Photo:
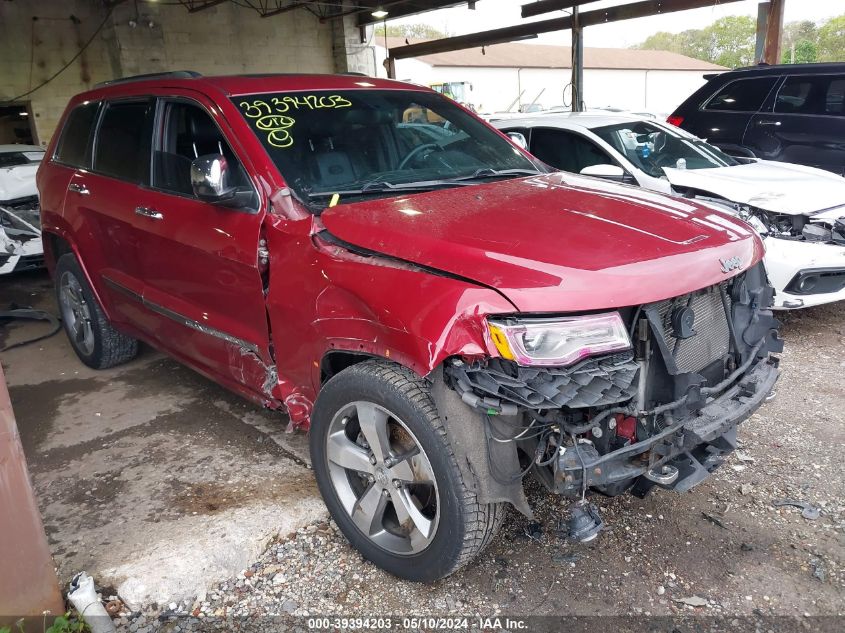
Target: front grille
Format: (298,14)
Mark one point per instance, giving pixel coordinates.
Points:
(712,338)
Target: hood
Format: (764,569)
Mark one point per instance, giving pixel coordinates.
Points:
(557,242)
(18,182)
(777,187)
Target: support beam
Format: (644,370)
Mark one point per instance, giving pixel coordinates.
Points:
(280,10)
(577,62)
(547,6)
(195,7)
(642,9)
(760,41)
(774,32)
(401,8)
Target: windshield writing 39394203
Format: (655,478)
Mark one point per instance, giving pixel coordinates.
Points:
(273,120)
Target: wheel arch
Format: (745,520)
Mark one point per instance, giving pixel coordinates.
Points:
(58,242)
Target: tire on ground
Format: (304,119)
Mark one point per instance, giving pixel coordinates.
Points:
(465,526)
(110,346)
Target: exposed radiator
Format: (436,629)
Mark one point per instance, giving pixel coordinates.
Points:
(712,339)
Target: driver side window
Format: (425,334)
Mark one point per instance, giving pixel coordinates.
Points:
(189,132)
(566,150)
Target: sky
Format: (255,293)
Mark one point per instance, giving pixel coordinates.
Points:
(491,14)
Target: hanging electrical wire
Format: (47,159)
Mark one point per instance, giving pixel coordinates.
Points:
(66,66)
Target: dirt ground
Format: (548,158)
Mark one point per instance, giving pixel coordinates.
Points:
(723,548)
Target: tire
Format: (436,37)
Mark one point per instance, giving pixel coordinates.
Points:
(460,527)
(95,341)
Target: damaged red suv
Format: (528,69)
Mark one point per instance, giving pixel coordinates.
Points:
(443,312)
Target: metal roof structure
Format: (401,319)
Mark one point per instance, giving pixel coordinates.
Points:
(515,55)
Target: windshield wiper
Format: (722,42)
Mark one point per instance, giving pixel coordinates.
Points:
(488,172)
(378,186)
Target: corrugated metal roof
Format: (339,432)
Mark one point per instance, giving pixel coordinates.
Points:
(514,55)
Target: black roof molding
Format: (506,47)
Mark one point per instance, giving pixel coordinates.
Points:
(174,74)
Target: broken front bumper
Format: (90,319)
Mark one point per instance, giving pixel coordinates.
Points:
(789,261)
(678,457)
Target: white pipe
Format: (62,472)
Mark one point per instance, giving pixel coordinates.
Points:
(88,604)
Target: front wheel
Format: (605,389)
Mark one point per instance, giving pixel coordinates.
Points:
(389,476)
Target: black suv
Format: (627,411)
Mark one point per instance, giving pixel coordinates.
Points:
(792,112)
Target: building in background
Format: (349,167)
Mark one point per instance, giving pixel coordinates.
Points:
(495,77)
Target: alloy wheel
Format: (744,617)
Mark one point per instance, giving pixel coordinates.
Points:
(76,313)
(383,478)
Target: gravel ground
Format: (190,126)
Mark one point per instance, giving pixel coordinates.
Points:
(724,549)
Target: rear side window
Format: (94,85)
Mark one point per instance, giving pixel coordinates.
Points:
(743,95)
(812,95)
(566,150)
(123,141)
(73,147)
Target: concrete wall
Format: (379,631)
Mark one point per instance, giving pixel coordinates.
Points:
(225,39)
(494,89)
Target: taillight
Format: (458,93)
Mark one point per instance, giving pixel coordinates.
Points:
(675,120)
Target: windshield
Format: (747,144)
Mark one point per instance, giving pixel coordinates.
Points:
(377,142)
(651,148)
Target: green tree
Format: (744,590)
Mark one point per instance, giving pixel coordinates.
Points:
(831,41)
(417,31)
(799,31)
(733,39)
(730,41)
(805,52)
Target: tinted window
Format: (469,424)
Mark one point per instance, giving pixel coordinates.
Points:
(743,95)
(566,150)
(73,147)
(190,132)
(811,95)
(123,141)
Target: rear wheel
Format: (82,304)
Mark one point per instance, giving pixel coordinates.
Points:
(389,476)
(95,341)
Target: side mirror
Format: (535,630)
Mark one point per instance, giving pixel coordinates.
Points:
(210,178)
(519,139)
(211,182)
(608,172)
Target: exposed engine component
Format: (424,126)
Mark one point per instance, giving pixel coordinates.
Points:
(809,228)
(662,414)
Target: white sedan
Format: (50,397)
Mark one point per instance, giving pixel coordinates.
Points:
(799,211)
(20,222)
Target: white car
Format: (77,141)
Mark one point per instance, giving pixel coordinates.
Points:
(798,210)
(20,222)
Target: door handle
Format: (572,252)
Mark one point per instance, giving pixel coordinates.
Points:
(79,188)
(764,122)
(147,212)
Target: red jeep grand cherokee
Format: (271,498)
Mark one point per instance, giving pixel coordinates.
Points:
(444,313)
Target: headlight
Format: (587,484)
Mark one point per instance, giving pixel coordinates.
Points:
(757,224)
(560,341)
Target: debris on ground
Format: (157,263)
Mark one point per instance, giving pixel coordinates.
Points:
(714,520)
(808,510)
(692,601)
(819,572)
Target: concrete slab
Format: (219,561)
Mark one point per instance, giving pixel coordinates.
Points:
(151,478)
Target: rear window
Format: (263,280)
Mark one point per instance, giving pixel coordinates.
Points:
(123,141)
(812,95)
(73,146)
(742,95)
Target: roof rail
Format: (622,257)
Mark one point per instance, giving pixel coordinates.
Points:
(174,74)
